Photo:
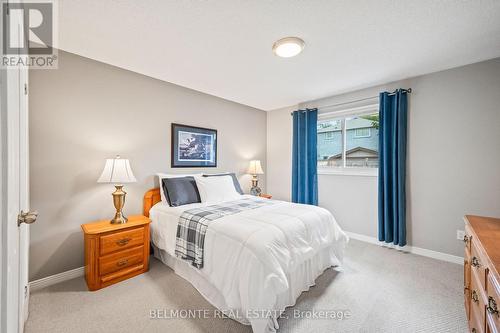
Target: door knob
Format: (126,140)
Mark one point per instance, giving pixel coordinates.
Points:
(27,217)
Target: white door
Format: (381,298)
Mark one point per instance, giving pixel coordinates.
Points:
(24,203)
(15,198)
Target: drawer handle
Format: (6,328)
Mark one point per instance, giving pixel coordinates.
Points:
(475,262)
(122,263)
(492,306)
(474,296)
(123,241)
(466,239)
(474,330)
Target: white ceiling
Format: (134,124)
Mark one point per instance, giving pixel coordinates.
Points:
(223,47)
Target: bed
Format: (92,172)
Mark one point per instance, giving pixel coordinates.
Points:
(257,261)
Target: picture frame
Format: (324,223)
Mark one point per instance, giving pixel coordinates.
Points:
(193,147)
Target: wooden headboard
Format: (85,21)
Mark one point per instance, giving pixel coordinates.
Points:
(150,199)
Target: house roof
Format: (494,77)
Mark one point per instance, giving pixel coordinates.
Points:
(372,152)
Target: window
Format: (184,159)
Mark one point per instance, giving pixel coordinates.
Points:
(362,132)
(329,135)
(348,143)
(329,142)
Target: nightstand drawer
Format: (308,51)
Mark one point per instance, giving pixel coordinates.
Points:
(120,275)
(121,240)
(121,260)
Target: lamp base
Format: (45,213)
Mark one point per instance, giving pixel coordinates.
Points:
(255,190)
(119,201)
(119,219)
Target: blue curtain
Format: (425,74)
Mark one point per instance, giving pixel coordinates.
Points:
(304,157)
(393,114)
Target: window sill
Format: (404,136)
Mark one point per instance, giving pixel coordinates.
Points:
(373,172)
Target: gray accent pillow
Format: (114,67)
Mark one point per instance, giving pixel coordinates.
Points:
(236,183)
(180,191)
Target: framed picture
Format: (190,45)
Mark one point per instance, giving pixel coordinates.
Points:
(193,147)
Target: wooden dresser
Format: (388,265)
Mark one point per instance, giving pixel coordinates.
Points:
(481,278)
(115,252)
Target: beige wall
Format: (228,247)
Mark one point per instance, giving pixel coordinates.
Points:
(279,152)
(87,111)
(453,157)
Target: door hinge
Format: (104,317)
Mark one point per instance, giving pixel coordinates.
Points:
(25,291)
(7,8)
(26,89)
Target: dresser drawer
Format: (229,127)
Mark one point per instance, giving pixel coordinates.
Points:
(121,240)
(121,260)
(476,322)
(493,303)
(467,277)
(478,265)
(477,304)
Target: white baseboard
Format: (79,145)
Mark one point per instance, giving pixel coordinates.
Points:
(56,278)
(410,249)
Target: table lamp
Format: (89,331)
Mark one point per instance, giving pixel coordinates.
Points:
(117,171)
(255,169)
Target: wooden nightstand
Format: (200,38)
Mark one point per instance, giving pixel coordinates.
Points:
(267,196)
(115,252)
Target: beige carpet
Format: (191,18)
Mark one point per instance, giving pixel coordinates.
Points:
(383,289)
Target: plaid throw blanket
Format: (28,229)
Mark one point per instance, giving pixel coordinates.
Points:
(193,224)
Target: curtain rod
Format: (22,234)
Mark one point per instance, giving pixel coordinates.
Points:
(408,91)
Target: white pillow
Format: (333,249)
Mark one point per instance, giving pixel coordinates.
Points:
(216,189)
(165,175)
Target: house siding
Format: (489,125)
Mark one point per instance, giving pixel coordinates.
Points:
(330,146)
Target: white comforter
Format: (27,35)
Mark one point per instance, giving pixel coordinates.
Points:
(248,256)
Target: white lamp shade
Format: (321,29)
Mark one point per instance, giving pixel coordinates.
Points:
(255,168)
(118,171)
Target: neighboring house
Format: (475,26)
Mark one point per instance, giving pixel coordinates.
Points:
(361,143)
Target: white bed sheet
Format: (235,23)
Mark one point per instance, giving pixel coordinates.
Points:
(256,260)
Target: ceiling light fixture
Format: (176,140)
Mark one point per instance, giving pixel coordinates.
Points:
(288,47)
